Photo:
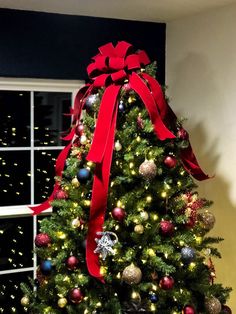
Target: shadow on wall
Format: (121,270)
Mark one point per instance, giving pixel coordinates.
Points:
(196,95)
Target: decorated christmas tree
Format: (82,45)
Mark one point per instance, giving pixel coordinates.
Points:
(129,232)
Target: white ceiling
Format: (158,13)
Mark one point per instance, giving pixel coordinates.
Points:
(142,10)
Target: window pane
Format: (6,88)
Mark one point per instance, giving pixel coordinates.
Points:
(16,238)
(14,118)
(49,120)
(44,173)
(10,292)
(14,178)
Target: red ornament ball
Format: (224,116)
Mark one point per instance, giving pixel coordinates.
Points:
(76,295)
(166,227)
(61,195)
(72,262)
(182,134)
(118,214)
(42,240)
(188,309)
(126,87)
(79,129)
(170,161)
(167,283)
(226,310)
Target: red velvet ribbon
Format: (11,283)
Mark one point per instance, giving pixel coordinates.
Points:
(109,69)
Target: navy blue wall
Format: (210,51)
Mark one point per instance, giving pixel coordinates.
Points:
(43,45)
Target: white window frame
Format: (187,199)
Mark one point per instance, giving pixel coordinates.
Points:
(32,85)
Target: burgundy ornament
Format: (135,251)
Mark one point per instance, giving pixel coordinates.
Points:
(188,309)
(61,195)
(226,310)
(79,129)
(72,262)
(76,295)
(170,161)
(118,214)
(166,227)
(42,240)
(166,283)
(182,134)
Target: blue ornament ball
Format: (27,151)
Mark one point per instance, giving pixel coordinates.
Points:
(121,106)
(46,267)
(188,254)
(153,298)
(83,175)
(90,101)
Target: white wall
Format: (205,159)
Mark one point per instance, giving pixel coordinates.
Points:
(201,76)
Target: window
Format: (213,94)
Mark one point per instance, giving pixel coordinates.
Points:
(31,125)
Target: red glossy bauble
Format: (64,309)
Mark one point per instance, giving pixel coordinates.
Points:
(170,161)
(188,309)
(166,283)
(72,262)
(61,195)
(79,129)
(166,227)
(42,240)
(118,214)
(76,295)
(226,310)
(182,134)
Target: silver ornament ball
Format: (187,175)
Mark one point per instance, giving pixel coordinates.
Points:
(148,169)
(212,305)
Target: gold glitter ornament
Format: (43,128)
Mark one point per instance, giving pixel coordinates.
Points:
(207,220)
(132,274)
(212,305)
(144,215)
(148,169)
(75,182)
(139,229)
(25,301)
(118,146)
(62,302)
(75,223)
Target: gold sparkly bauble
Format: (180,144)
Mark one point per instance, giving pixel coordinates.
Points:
(75,182)
(148,169)
(207,219)
(212,305)
(144,215)
(62,302)
(25,301)
(83,139)
(75,223)
(132,274)
(139,229)
(118,146)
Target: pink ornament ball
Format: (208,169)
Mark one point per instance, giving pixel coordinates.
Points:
(118,214)
(61,195)
(72,262)
(188,309)
(42,240)
(166,228)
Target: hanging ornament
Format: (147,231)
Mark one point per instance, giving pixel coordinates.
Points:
(75,182)
(131,99)
(144,215)
(79,129)
(72,262)
(148,169)
(170,161)
(42,240)
(132,274)
(118,146)
(182,134)
(83,139)
(76,223)
(76,295)
(226,310)
(140,121)
(121,106)
(166,228)
(90,102)
(46,267)
(212,305)
(40,277)
(207,220)
(105,243)
(126,87)
(25,301)
(139,229)
(188,254)
(83,175)
(118,214)
(166,283)
(62,302)
(153,297)
(188,309)
(61,195)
